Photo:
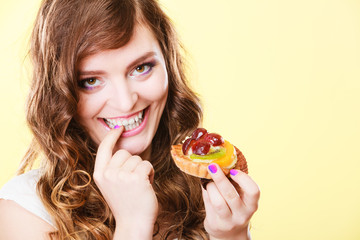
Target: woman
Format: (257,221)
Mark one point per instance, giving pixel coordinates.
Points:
(108,99)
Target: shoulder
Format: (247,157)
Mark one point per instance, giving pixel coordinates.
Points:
(18,223)
(23,184)
(20,204)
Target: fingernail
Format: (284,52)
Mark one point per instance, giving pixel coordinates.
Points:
(212,168)
(116,127)
(234,172)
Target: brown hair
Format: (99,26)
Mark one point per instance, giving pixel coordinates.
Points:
(65,32)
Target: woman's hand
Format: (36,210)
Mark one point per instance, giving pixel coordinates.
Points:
(228,206)
(125,182)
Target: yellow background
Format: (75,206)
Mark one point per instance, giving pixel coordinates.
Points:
(280,79)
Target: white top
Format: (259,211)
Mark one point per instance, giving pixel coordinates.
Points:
(22,190)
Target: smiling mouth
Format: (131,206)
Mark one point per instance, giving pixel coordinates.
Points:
(129,123)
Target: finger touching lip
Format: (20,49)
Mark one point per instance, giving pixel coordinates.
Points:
(105,150)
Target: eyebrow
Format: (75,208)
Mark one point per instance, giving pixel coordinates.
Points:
(128,68)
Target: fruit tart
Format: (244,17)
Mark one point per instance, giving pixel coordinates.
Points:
(203,148)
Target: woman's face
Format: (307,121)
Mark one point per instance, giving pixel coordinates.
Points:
(127,86)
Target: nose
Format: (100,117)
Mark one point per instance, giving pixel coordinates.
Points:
(122,97)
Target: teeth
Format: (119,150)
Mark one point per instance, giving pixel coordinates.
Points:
(129,124)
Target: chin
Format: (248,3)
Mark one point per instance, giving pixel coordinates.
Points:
(133,147)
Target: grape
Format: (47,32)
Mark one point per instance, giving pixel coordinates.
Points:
(214,139)
(198,133)
(200,148)
(186,145)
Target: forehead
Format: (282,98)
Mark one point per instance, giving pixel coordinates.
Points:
(141,42)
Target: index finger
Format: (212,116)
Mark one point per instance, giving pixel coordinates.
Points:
(226,189)
(105,150)
(250,190)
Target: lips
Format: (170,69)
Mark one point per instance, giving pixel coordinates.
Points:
(129,122)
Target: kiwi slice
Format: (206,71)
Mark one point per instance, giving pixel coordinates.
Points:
(218,154)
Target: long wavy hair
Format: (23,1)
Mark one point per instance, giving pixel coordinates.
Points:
(65,32)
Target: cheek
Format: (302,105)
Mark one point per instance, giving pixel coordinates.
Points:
(87,107)
(157,88)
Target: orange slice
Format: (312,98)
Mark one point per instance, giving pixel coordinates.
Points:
(227,159)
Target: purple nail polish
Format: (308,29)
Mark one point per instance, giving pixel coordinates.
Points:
(212,168)
(233,172)
(116,127)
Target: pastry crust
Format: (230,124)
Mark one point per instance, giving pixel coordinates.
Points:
(198,169)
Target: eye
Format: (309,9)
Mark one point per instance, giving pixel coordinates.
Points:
(142,69)
(89,83)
